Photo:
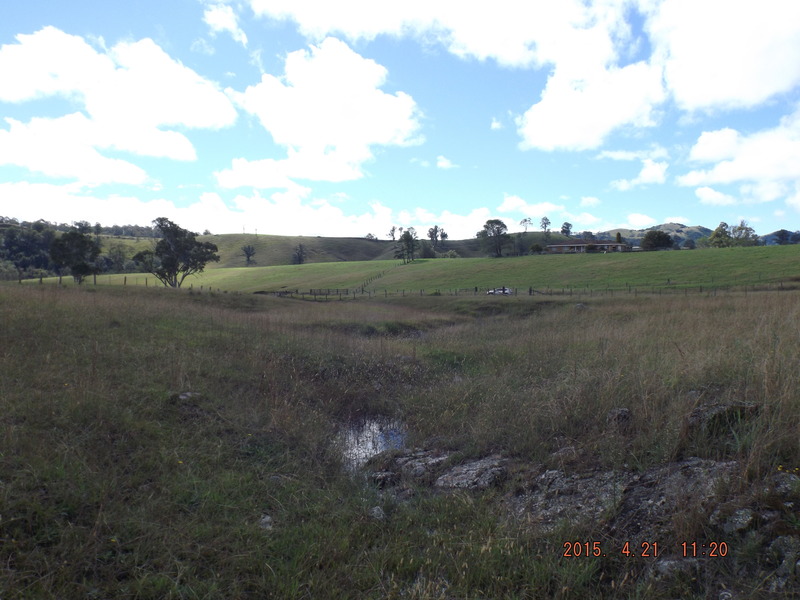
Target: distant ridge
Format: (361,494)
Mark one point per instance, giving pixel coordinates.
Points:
(679,232)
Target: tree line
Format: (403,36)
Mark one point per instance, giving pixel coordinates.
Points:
(37,250)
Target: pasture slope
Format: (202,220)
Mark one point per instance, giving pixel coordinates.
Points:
(756,267)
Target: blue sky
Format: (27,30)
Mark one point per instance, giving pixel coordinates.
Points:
(345,118)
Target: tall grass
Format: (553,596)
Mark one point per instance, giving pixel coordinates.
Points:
(117,482)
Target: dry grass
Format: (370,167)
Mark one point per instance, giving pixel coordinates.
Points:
(112,485)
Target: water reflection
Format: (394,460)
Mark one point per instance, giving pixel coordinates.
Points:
(363,440)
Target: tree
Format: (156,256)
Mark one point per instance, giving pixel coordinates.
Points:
(370,236)
(407,245)
(545,225)
(783,237)
(393,232)
(443,236)
(299,254)
(566,228)
(494,235)
(26,248)
(433,235)
(248,251)
(619,239)
(526,222)
(656,239)
(744,235)
(78,252)
(587,235)
(177,254)
(118,255)
(720,237)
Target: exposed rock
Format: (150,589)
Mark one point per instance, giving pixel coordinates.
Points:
(651,500)
(581,306)
(384,478)
(739,521)
(265,522)
(670,568)
(376,512)
(619,419)
(580,497)
(421,464)
(786,550)
(476,474)
(712,418)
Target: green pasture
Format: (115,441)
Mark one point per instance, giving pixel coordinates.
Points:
(762,266)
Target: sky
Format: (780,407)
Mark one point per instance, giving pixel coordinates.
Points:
(312,117)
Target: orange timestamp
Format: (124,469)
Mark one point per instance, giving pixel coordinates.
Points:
(579,549)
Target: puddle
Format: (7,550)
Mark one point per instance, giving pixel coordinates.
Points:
(362,441)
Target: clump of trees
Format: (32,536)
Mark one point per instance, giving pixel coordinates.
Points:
(494,236)
(77,252)
(407,245)
(177,254)
(726,236)
(656,239)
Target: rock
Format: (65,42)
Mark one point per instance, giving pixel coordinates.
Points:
(739,521)
(619,419)
(475,475)
(384,479)
(650,502)
(715,418)
(376,512)
(265,522)
(581,306)
(786,549)
(579,497)
(670,568)
(421,464)
(786,484)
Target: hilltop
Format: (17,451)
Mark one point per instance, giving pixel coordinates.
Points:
(679,233)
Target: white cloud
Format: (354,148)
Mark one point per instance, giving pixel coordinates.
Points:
(639,221)
(681,219)
(652,172)
(134,93)
(201,46)
(772,155)
(713,197)
(723,53)
(512,203)
(589,201)
(328,111)
(220,17)
(65,148)
(655,152)
(443,162)
(578,114)
(495,125)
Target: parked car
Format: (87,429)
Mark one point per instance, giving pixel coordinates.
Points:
(503,291)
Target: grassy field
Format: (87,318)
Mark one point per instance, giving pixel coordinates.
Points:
(147,433)
(764,266)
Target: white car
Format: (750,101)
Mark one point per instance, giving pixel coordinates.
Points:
(503,291)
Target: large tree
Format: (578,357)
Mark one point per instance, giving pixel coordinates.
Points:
(433,235)
(27,248)
(566,228)
(78,252)
(407,245)
(545,225)
(177,254)
(494,235)
(656,239)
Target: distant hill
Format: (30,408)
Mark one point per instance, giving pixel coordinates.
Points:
(679,233)
(274,250)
